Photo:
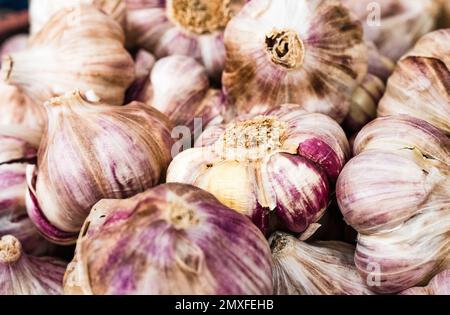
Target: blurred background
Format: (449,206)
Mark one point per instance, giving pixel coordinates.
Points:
(13,17)
(13,4)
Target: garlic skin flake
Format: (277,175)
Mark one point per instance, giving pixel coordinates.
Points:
(182,27)
(27,275)
(395,25)
(79,48)
(41,11)
(439,285)
(319,268)
(309,53)
(277,168)
(173,239)
(395,193)
(92,151)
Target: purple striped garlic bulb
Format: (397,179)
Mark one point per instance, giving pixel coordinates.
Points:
(420,85)
(180,89)
(172,239)
(309,53)
(278,168)
(91,151)
(18,147)
(320,268)
(182,27)
(79,48)
(439,285)
(41,11)
(21,274)
(395,25)
(396,194)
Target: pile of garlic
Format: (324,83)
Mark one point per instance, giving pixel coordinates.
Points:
(287,147)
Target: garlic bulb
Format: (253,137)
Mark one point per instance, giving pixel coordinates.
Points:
(440,285)
(92,151)
(320,268)
(277,168)
(420,85)
(309,53)
(15,43)
(78,48)
(180,89)
(26,275)
(183,27)
(42,10)
(396,194)
(173,239)
(395,25)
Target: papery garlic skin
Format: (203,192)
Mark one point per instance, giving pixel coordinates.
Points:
(182,27)
(395,193)
(173,239)
(41,11)
(395,25)
(439,285)
(92,151)
(15,43)
(26,275)
(309,53)
(79,48)
(320,268)
(180,89)
(277,168)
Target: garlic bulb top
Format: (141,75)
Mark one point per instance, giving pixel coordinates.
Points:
(183,27)
(395,25)
(309,53)
(79,47)
(92,151)
(320,268)
(26,275)
(276,168)
(396,194)
(173,239)
(420,85)
(439,285)
(42,10)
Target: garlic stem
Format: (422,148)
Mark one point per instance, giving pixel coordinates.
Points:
(285,48)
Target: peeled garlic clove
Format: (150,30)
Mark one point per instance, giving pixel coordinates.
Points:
(395,193)
(439,285)
(92,151)
(182,27)
(316,59)
(395,25)
(41,11)
(73,39)
(275,168)
(26,275)
(420,88)
(320,268)
(181,90)
(173,239)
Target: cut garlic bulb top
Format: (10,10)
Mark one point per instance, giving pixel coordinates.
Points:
(79,47)
(396,194)
(21,274)
(277,168)
(182,27)
(172,239)
(42,10)
(91,151)
(309,53)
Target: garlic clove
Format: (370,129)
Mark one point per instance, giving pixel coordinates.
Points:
(433,45)
(73,39)
(188,244)
(141,90)
(379,65)
(314,57)
(439,285)
(41,11)
(420,88)
(320,268)
(122,151)
(26,275)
